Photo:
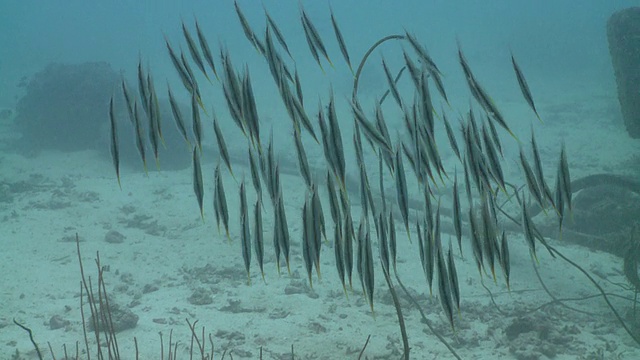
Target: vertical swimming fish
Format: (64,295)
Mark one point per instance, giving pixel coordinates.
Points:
(277,32)
(453,279)
(367,268)
(222,145)
(325,138)
(255,173)
(245,232)
(559,200)
(177,64)
(334,203)
(383,242)
(303,163)
(392,241)
(338,248)
(495,137)
(481,96)
(336,140)
(153,136)
(532,183)
(370,131)
(528,229)
(196,122)
(537,167)
(314,35)
(142,87)
(381,125)
(319,226)
(366,197)
(307,239)
(216,205)
(401,191)
(222,202)
(422,52)
(489,235)
(476,242)
(392,84)
(192,78)
(128,101)
(504,259)
(451,136)
(206,51)
(177,116)
(115,152)
(258,237)
(251,36)
(444,285)
(565,177)
(298,84)
(312,46)
(198,185)
(347,233)
(493,162)
(154,108)
(276,237)
(431,234)
(524,87)
(341,42)
(284,231)
(457,215)
(139,135)
(249,111)
(193,49)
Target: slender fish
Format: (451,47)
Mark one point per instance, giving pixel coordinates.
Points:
(315,36)
(307,239)
(524,87)
(128,101)
(222,145)
(198,185)
(277,32)
(245,232)
(139,135)
(392,84)
(338,247)
(401,191)
(444,285)
(177,116)
(193,49)
(258,237)
(453,279)
(341,42)
(206,51)
(115,152)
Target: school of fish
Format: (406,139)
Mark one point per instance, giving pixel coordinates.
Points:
(479,154)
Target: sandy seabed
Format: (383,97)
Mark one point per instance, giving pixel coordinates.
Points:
(170,266)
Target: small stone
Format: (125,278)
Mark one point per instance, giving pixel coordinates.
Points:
(57,322)
(148,288)
(114,237)
(201,296)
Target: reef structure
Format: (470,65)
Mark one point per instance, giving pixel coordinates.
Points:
(623,32)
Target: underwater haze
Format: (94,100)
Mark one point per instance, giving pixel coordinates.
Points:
(466,188)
